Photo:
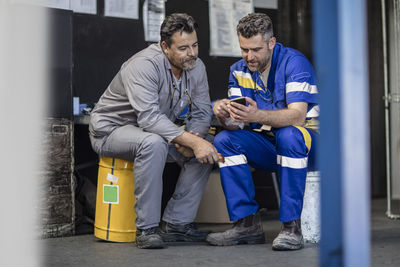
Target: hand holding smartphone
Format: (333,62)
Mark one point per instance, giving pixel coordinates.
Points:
(240,100)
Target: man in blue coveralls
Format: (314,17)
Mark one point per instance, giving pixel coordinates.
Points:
(281,111)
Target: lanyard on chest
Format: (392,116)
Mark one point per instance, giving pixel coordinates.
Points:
(262,90)
(175,88)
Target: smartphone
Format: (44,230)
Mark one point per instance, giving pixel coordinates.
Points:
(240,100)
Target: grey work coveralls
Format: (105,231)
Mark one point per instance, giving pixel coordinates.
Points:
(134,120)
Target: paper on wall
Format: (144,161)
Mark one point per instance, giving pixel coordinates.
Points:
(153,16)
(122,8)
(84,6)
(224,16)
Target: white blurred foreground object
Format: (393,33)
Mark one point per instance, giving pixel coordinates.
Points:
(22,106)
(310,216)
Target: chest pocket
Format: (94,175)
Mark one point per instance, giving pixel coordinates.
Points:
(279,94)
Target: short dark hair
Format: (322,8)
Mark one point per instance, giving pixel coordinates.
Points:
(255,23)
(176,22)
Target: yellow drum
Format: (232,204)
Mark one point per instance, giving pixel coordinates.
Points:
(115,213)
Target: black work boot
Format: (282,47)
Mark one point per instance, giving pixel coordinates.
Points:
(290,237)
(178,233)
(149,238)
(247,230)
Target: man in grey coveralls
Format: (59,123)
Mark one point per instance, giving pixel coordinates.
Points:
(137,119)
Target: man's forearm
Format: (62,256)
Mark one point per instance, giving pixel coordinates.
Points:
(203,150)
(280,118)
(187,139)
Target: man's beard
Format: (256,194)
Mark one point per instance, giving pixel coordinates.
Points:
(256,68)
(189,66)
(253,69)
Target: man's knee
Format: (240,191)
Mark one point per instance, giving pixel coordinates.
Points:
(155,143)
(290,138)
(222,139)
(96,144)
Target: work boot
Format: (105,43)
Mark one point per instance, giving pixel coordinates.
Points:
(149,238)
(247,230)
(290,237)
(178,233)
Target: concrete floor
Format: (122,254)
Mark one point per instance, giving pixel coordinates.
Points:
(86,250)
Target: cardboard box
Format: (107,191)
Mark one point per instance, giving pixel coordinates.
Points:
(213,208)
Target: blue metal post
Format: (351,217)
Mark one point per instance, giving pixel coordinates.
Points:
(355,132)
(340,47)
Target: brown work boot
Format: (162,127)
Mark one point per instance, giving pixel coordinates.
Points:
(290,237)
(247,230)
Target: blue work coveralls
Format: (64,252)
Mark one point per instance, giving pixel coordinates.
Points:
(289,151)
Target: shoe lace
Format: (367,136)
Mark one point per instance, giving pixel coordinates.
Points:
(150,231)
(190,226)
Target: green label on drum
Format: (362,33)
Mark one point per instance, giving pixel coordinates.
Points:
(110,194)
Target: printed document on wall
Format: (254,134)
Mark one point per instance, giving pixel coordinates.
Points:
(79,6)
(122,8)
(62,4)
(224,17)
(84,6)
(153,16)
